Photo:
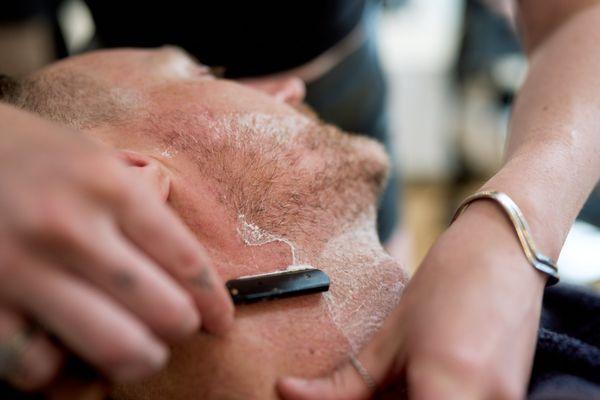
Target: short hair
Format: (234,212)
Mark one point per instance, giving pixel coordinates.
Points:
(72,98)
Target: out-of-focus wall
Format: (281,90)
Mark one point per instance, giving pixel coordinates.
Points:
(419,44)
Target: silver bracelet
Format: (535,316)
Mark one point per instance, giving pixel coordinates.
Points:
(536,259)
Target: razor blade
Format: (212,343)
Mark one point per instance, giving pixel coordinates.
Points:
(277,285)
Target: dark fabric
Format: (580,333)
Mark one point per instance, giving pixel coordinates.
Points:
(17,11)
(14,11)
(487,38)
(567,360)
(591,210)
(246,37)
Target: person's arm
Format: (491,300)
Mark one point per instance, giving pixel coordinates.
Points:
(466,325)
(553,151)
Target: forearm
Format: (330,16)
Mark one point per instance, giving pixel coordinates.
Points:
(537,19)
(553,151)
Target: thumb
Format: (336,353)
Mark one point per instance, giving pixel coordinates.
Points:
(344,384)
(357,378)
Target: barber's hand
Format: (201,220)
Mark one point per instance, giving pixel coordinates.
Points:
(465,327)
(94,257)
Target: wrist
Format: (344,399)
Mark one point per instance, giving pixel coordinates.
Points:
(487,230)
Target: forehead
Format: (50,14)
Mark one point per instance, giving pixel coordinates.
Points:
(130,58)
(169,77)
(134,67)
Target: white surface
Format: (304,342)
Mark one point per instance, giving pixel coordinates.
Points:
(77,24)
(418,46)
(579,261)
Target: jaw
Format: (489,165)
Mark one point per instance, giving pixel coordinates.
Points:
(305,336)
(367,282)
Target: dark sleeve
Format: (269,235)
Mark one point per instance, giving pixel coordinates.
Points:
(567,360)
(19,10)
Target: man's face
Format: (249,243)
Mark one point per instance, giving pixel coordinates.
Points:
(263,186)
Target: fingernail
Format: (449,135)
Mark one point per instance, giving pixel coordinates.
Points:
(155,358)
(187,321)
(158,355)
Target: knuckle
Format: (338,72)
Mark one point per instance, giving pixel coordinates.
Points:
(65,232)
(466,361)
(55,220)
(116,187)
(461,368)
(114,184)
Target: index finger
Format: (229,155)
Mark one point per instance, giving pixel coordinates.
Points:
(157,231)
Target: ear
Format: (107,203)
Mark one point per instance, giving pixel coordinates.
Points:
(287,89)
(150,170)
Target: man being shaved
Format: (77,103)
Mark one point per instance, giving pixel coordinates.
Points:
(264,186)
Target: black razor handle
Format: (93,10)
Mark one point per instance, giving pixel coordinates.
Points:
(277,285)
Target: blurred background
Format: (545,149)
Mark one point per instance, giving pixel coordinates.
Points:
(452,67)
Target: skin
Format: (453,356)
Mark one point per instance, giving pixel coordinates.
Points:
(489,293)
(74,238)
(466,325)
(221,154)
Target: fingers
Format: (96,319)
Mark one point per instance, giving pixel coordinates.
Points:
(92,325)
(344,384)
(121,270)
(28,360)
(170,243)
(378,360)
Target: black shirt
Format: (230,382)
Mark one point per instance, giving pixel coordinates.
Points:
(250,37)
(246,37)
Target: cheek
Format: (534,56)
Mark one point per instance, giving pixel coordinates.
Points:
(366,283)
(299,332)
(230,97)
(286,337)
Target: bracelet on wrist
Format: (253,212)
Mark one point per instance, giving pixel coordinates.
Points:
(537,260)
